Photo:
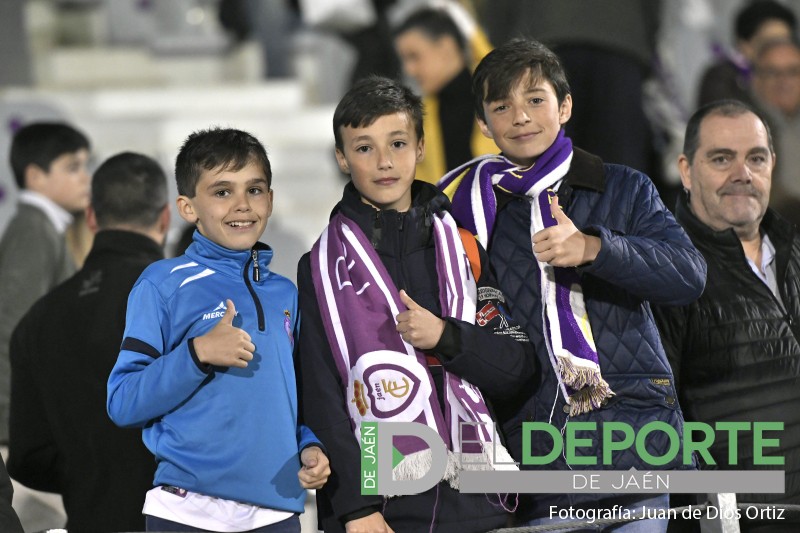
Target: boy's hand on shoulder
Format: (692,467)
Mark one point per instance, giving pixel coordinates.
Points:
(563,245)
(373,523)
(316,468)
(225,344)
(418,326)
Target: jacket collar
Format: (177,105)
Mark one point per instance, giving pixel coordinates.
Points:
(226,261)
(128,243)
(702,235)
(382,227)
(586,171)
(779,230)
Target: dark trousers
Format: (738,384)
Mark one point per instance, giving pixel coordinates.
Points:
(441,509)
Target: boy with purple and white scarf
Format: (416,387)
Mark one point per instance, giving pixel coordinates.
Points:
(580,249)
(402,321)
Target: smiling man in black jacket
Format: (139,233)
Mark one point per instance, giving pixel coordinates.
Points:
(735,351)
(63,350)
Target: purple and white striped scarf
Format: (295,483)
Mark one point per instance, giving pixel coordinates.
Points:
(386,378)
(568,334)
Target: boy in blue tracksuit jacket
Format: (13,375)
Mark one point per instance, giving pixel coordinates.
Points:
(206,365)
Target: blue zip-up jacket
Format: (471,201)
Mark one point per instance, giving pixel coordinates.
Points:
(645,257)
(221,431)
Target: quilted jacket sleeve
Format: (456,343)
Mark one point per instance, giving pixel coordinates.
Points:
(653,258)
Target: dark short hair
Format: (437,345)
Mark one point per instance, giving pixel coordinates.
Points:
(223,149)
(501,69)
(374,97)
(130,189)
(41,143)
(724,108)
(752,16)
(434,24)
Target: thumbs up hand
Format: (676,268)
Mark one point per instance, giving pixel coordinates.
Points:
(563,245)
(418,326)
(225,344)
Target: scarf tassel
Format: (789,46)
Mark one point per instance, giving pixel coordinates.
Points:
(592,391)
(417,464)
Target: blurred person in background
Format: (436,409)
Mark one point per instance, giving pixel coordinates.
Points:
(438,55)
(730,76)
(9,521)
(62,440)
(607,49)
(776,91)
(49,161)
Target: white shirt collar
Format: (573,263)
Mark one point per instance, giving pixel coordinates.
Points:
(58,216)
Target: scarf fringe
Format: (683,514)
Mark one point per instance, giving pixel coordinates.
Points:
(417,464)
(576,376)
(589,398)
(592,389)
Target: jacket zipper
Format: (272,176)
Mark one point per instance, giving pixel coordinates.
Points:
(256,277)
(782,307)
(400,254)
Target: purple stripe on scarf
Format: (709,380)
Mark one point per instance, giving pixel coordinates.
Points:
(572,338)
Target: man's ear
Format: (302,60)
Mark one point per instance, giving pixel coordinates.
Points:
(164,219)
(91,220)
(186,209)
(421,150)
(685,169)
(342,161)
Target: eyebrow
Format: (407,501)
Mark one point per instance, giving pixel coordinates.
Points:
(227,183)
(720,151)
(362,138)
(727,151)
(528,91)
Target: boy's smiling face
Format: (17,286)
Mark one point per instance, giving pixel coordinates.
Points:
(526,122)
(381,159)
(230,208)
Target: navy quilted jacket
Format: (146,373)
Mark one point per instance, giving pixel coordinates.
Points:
(645,257)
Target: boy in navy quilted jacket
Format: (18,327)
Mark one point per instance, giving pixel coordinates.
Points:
(580,249)
(206,365)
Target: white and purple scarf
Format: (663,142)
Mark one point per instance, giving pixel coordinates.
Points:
(568,334)
(387,379)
